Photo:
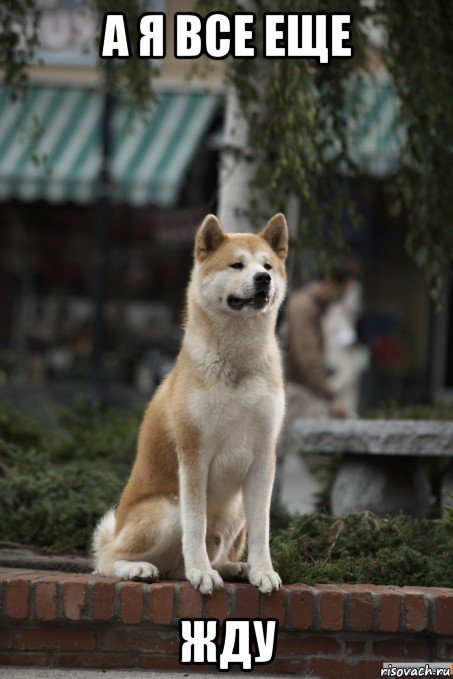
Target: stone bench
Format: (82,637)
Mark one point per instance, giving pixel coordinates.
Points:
(380,470)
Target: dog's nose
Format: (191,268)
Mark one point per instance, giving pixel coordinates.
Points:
(262,279)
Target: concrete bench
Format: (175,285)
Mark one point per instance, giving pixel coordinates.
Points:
(380,469)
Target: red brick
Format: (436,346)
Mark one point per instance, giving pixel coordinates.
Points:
(417,649)
(301,607)
(247,601)
(389,648)
(415,612)
(6,638)
(24,659)
(103,602)
(353,647)
(388,612)
(444,615)
(74,599)
(7,573)
(190,601)
(280,665)
(167,662)
(123,639)
(434,591)
(330,668)
(331,608)
(369,669)
(18,596)
(444,650)
(53,576)
(273,605)
(40,638)
(360,611)
(46,600)
(401,648)
(131,601)
(218,604)
(95,661)
(375,589)
(161,610)
(308,645)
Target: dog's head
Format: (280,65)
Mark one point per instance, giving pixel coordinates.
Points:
(239,273)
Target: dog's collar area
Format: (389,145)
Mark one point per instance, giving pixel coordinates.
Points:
(257,301)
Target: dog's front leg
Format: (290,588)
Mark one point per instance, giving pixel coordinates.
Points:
(257,501)
(193,487)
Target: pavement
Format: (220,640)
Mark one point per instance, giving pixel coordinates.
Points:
(70,673)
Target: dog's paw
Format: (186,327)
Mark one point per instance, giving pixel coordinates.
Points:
(204,580)
(267,581)
(234,569)
(135,570)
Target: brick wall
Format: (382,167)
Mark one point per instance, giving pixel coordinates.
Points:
(332,631)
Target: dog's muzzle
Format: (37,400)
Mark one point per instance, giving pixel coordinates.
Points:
(260,298)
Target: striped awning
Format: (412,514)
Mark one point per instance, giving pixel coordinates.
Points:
(50,145)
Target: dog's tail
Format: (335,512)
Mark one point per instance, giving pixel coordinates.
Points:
(103,537)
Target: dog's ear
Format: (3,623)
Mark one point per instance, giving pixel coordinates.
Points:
(208,238)
(276,234)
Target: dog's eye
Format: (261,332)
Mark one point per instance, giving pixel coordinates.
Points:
(237,265)
(268,267)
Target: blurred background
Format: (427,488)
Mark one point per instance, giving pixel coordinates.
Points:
(99,205)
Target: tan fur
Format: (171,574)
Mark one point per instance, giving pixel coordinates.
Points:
(206,449)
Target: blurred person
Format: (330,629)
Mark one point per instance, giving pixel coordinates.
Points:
(346,359)
(309,391)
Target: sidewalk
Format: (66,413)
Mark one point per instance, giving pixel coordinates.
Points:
(33,673)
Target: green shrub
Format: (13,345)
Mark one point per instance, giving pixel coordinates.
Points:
(16,427)
(361,547)
(392,410)
(54,506)
(53,489)
(90,432)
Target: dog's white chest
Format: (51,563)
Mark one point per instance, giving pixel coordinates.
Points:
(235,424)
(227,413)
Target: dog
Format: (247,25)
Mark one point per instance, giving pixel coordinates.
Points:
(205,463)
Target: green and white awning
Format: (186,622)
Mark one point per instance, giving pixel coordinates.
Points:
(50,145)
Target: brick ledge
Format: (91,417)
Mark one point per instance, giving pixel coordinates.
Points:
(51,618)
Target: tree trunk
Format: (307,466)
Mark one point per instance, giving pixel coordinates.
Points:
(236,169)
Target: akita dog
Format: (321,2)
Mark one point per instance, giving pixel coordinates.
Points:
(205,462)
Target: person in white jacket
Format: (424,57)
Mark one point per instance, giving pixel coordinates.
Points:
(346,359)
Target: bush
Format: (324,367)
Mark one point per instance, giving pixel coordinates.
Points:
(91,433)
(53,489)
(391,410)
(18,428)
(361,547)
